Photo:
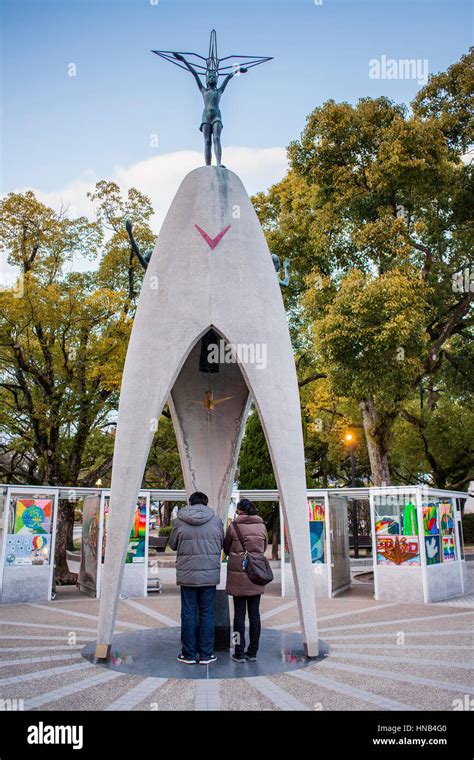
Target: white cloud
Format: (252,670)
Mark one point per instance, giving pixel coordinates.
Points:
(160,176)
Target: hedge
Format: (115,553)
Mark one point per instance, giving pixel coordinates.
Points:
(468,528)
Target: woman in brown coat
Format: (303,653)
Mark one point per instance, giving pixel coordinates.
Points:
(246,594)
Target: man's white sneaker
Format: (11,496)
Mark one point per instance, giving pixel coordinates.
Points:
(186,660)
(208,660)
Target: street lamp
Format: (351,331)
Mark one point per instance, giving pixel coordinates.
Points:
(350,441)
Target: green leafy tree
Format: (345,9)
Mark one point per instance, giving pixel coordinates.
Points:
(370,338)
(376,217)
(63,340)
(448,98)
(327,419)
(163,468)
(255,471)
(118,267)
(434,437)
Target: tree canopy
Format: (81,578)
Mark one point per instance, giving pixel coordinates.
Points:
(375,214)
(64,336)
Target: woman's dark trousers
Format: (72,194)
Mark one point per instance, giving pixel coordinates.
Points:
(250,604)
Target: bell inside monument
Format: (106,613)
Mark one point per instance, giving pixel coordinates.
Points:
(211,338)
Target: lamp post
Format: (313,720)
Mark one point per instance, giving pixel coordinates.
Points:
(350,441)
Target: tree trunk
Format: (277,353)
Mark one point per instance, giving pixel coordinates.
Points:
(377,429)
(70,534)
(169,506)
(63,576)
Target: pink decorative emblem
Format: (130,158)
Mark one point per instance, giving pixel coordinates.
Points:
(212,242)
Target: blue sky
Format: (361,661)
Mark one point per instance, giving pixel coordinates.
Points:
(58,131)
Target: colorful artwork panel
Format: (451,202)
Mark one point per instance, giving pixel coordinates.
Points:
(433,550)
(449,552)
(33,516)
(387,525)
(446,517)
(27,549)
(139,520)
(430,519)
(398,550)
(316,510)
(136,546)
(409,520)
(316,534)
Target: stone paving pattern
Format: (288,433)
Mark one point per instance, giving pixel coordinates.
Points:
(382,657)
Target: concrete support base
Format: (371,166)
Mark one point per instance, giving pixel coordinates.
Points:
(102,651)
(152,652)
(222,626)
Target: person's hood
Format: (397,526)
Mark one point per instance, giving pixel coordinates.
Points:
(197,514)
(249,519)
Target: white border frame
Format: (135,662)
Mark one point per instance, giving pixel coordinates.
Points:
(327,527)
(321,493)
(142,494)
(453,496)
(99,539)
(258,495)
(282,554)
(421,541)
(460,540)
(422,492)
(147,537)
(374,543)
(35,491)
(395,491)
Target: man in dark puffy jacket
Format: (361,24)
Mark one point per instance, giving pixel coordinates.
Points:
(198,537)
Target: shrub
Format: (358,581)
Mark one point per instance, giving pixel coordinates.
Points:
(165,530)
(468,528)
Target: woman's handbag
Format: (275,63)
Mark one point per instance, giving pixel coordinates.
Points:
(255,564)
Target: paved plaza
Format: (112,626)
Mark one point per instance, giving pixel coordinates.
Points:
(381,657)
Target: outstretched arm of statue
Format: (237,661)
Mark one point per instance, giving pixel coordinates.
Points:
(193,71)
(133,243)
(276,263)
(286,280)
(229,77)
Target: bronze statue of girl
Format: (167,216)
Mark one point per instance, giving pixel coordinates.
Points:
(211,122)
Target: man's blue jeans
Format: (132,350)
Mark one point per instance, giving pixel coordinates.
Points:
(197,621)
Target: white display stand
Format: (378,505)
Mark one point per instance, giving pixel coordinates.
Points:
(135,574)
(401,574)
(27,582)
(403,582)
(323,572)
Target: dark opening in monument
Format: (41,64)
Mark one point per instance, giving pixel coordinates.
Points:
(211,338)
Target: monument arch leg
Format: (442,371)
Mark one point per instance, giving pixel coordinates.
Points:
(145,391)
(280,416)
